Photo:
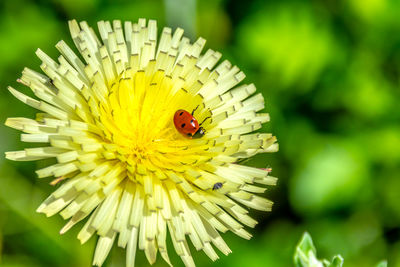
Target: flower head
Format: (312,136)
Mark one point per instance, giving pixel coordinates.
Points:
(122,162)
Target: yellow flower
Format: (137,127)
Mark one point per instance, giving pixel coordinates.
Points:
(109,122)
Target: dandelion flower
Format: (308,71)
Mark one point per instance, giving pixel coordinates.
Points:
(107,114)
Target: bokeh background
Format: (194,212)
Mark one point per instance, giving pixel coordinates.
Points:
(329,71)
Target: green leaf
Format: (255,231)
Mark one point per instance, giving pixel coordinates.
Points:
(306,243)
(337,261)
(305,251)
(306,255)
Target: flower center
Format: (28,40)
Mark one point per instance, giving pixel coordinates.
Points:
(137,114)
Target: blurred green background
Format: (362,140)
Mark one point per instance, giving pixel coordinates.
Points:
(329,71)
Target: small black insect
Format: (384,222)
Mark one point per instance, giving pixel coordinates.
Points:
(217,186)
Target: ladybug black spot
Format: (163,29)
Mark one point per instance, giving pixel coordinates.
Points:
(191,121)
(183,125)
(180,114)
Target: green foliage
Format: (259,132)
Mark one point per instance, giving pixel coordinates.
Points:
(293,44)
(344,170)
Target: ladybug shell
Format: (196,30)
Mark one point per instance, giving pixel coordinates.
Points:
(185,123)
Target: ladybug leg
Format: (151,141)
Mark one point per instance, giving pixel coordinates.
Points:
(195,109)
(209,117)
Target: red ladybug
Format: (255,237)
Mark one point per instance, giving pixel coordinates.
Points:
(187,124)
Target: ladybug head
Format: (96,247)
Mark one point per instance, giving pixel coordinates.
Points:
(199,133)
